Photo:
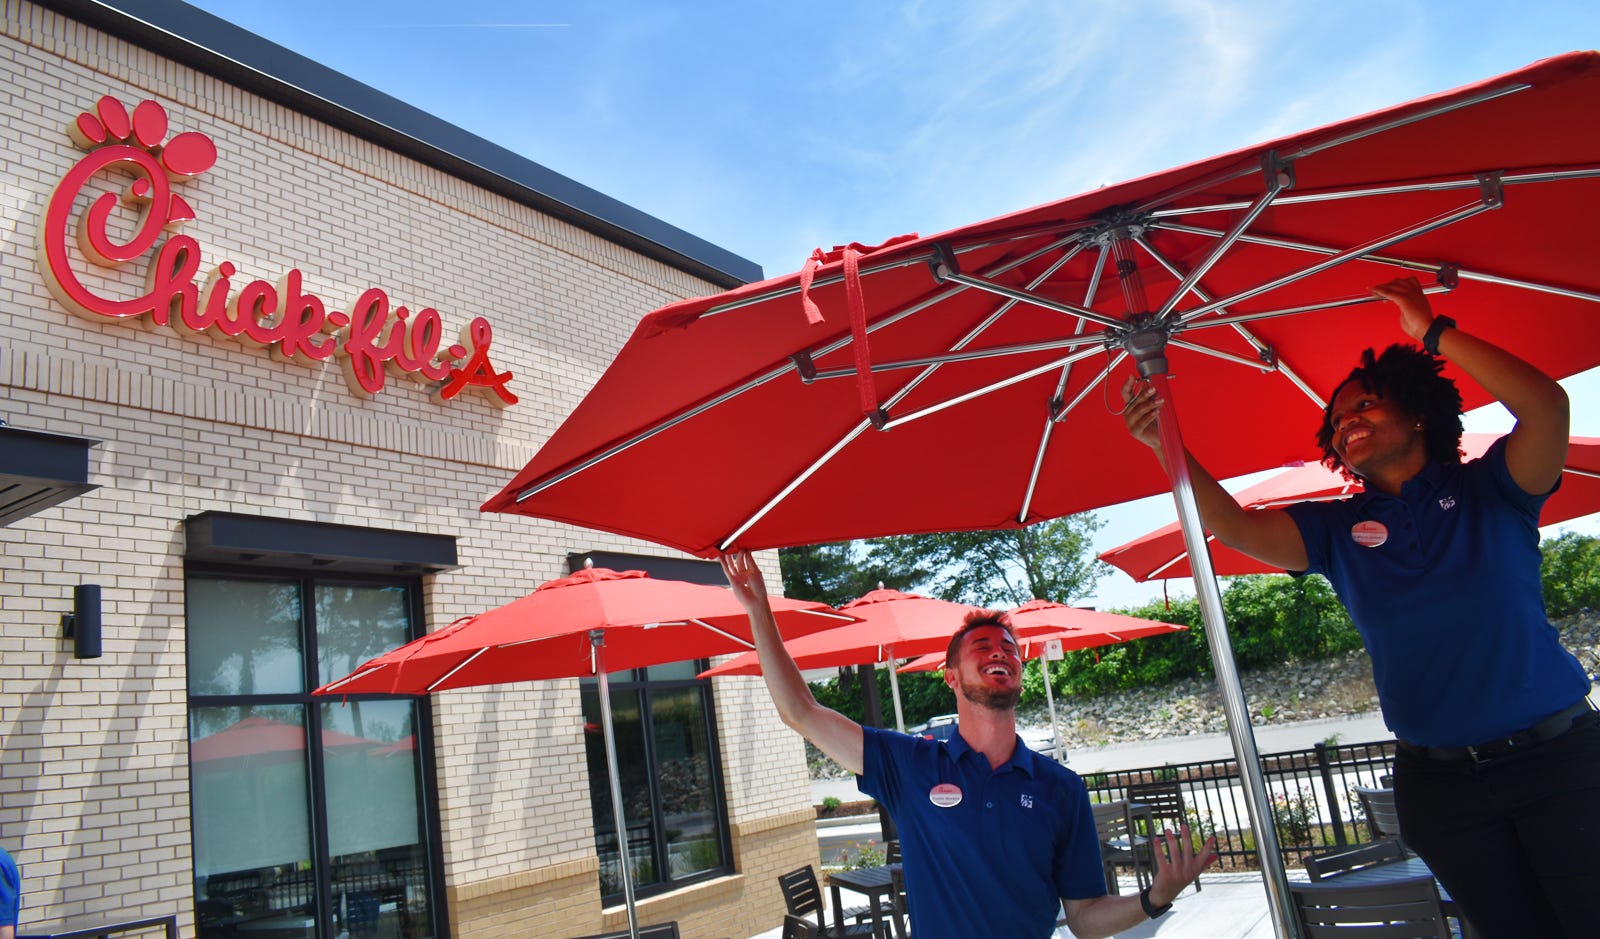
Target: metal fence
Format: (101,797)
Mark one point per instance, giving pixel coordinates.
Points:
(1313,806)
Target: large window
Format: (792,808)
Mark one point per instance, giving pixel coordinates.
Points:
(310,815)
(667,762)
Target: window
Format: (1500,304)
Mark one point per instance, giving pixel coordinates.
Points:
(298,840)
(667,763)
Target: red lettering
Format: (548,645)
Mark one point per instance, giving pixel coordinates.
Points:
(478,373)
(293,324)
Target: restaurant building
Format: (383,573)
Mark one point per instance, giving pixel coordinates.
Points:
(268,338)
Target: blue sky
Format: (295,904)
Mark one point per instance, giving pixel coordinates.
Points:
(774,128)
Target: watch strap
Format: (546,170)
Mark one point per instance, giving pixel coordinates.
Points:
(1150,909)
(1430,339)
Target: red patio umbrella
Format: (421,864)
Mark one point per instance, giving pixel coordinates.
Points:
(589,624)
(1161,554)
(967,380)
(261,736)
(894,625)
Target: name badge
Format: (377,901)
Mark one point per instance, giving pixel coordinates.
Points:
(1369,534)
(945,795)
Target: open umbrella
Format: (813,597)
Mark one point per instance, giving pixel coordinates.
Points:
(894,625)
(1161,554)
(587,625)
(1064,629)
(967,380)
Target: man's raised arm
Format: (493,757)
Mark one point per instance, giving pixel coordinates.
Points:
(832,733)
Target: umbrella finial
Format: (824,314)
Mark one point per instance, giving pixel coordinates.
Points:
(880,585)
(588,564)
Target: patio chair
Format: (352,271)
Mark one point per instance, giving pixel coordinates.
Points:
(798,927)
(1163,806)
(1383,819)
(1400,909)
(803,897)
(898,917)
(1118,847)
(1331,864)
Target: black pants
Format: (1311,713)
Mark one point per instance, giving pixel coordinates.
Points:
(1515,840)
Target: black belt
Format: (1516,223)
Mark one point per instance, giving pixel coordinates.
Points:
(1546,730)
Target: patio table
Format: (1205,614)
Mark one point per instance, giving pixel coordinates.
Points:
(874,883)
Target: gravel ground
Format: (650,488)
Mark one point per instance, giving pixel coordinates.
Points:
(1293,692)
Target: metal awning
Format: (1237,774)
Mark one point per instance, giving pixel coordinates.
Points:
(39,470)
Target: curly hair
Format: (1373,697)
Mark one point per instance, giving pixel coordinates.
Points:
(975,620)
(1412,380)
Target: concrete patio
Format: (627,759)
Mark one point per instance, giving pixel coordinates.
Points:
(1229,906)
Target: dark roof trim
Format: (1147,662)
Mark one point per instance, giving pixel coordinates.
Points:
(662,568)
(226,538)
(39,470)
(220,49)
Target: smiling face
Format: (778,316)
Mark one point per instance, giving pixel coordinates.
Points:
(988,671)
(1374,437)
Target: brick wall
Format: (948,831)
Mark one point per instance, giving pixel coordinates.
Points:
(94,781)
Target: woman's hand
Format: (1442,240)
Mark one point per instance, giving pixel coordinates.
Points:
(1416,314)
(1140,409)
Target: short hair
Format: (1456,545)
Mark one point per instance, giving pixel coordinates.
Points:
(1411,379)
(977,619)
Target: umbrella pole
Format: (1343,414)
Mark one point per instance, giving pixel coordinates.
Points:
(894,686)
(1050,699)
(1238,714)
(597,639)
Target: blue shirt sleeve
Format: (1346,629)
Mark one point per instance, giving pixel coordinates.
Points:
(10,890)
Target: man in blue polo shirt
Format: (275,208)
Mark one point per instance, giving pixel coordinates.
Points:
(1497,780)
(995,839)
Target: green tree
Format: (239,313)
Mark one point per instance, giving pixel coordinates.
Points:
(1052,560)
(837,573)
(1570,574)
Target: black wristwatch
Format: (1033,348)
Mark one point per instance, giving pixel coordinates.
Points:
(1150,909)
(1430,339)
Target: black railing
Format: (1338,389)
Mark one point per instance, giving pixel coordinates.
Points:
(1313,807)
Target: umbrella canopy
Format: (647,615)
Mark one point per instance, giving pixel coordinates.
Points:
(1161,554)
(1017,326)
(592,623)
(894,625)
(546,634)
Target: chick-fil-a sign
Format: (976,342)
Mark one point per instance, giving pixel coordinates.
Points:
(371,339)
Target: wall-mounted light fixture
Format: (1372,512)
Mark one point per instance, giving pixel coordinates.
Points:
(82,625)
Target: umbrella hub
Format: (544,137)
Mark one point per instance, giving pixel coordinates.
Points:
(1145,340)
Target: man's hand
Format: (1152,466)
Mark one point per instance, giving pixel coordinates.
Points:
(745,579)
(1178,864)
(1416,314)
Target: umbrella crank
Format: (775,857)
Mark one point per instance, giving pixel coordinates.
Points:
(1150,355)
(597,641)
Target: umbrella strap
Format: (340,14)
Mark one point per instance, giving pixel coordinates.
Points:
(850,254)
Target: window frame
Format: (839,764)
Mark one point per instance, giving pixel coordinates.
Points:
(306,582)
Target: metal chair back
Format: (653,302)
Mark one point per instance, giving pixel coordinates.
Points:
(1162,803)
(1357,857)
(1383,819)
(1399,909)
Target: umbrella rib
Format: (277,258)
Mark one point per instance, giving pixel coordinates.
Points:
(1221,247)
(1349,254)
(747,644)
(969,355)
(1019,294)
(459,666)
(1057,416)
(1232,173)
(1432,267)
(1441,184)
(987,389)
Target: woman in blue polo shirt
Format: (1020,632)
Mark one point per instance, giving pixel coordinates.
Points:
(1497,779)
